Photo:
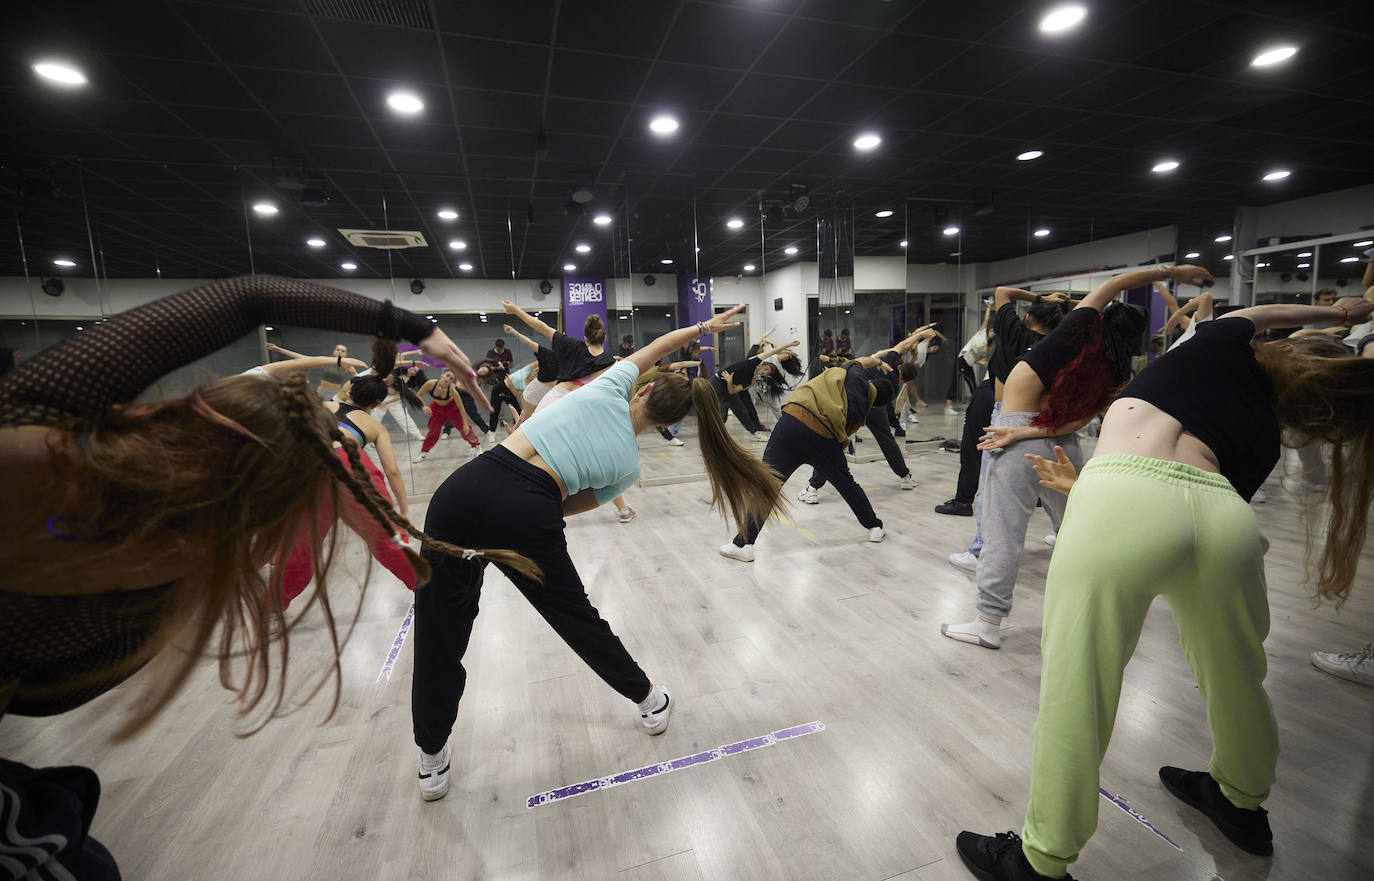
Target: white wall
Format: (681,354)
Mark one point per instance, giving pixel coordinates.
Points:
(789,283)
(1333,213)
(1117,251)
(879,273)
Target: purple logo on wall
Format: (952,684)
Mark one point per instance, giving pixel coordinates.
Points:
(582,297)
(693,305)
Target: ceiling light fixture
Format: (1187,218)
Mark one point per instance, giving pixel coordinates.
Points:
(1062,18)
(569,267)
(951,230)
(348,266)
(63,262)
(1229,257)
(601,219)
(458,245)
(867,141)
(1365,244)
(1165,167)
(790,249)
(406,103)
(1305,254)
(60,72)
(266,209)
(902,243)
(1029,155)
(1222,238)
(1349,259)
(1041,233)
(315,243)
(667,261)
(1270,57)
(466,267)
(886,212)
(1277,174)
(447,214)
(1192,255)
(1304,265)
(734,223)
(663,125)
(749,267)
(583,248)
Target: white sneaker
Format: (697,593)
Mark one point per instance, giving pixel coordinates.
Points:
(627,515)
(419,457)
(965,560)
(877,534)
(491,437)
(810,495)
(909,482)
(1051,538)
(735,552)
(655,709)
(434,774)
(675,442)
(473,452)
(950,411)
(1355,666)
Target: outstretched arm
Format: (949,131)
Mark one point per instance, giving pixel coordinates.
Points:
(777,350)
(1180,317)
(273,347)
(307,362)
(535,324)
(676,339)
(1104,293)
(520,336)
(924,332)
(998,436)
(1350,310)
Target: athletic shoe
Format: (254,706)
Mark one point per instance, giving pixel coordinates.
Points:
(434,775)
(997,858)
(758,437)
(950,411)
(899,432)
(627,514)
(810,495)
(735,552)
(491,436)
(675,442)
(965,560)
(1355,666)
(1247,830)
(955,507)
(419,457)
(909,482)
(1051,538)
(877,534)
(473,452)
(655,709)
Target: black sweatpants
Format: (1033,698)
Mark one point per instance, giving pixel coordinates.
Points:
(475,414)
(740,403)
(502,395)
(792,445)
(977,417)
(529,520)
(962,370)
(882,433)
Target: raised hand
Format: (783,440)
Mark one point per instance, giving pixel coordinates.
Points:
(1059,475)
(508,329)
(720,323)
(1186,273)
(1357,308)
(444,350)
(510,307)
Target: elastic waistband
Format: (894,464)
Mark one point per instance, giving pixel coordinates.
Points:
(1175,473)
(506,460)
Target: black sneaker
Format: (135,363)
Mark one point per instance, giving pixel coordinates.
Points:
(955,507)
(899,432)
(997,858)
(1247,830)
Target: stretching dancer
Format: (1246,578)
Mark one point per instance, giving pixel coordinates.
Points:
(1057,388)
(402,399)
(333,377)
(491,375)
(877,422)
(1181,450)
(775,380)
(732,384)
(977,416)
(443,409)
(669,432)
(567,460)
(1015,336)
(975,351)
(545,376)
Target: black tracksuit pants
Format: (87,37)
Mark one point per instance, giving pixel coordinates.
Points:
(882,433)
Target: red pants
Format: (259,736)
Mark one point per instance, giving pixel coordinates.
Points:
(451,413)
(299,568)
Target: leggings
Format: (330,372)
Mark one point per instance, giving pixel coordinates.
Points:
(446,411)
(962,370)
(299,567)
(792,445)
(877,423)
(740,403)
(475,413)
(529,520)
(502,395)
(977,417)
(1205,556)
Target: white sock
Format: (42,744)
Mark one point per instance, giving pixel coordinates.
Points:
(433,760)
(654,701)
(981,630)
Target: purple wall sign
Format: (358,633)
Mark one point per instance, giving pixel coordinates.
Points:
(582,296)
(693,305)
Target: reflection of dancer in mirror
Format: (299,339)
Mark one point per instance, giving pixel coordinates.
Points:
(1181,449)
(669,432)
(444,409)
(332,376)
(776,378)
(489,375)
(733,381)
(566,460)
(974,352)
(545,375)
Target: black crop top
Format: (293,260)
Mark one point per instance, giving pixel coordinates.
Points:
(741,372)
(1011,340)
(575,360)
(547,371)
(1213,385)
(1054,352)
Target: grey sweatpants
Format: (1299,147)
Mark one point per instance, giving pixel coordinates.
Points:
(1009,493)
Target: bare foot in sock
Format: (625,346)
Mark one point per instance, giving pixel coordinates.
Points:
(980,631)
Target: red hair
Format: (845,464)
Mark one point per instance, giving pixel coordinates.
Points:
(1084,387)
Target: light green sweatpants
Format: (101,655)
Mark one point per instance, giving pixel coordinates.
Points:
(1136,528)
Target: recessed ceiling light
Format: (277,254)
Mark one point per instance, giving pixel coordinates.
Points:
(1062,18)
(886,212)
(667,261)
(569,267)
(583,248)
(60,72)
(749,267)
(601,219)
(1191,255)
(663,125)
(867,141)
(79,327)
(1305,254)
(1277,174)
(734,223)
(466,267)
(1222,238)
(1261,265)
(951,230)
(448,214)
(1365,244)
(315,243)
(266,209)
(1349,259)
(1029,155)
(1274,56)
(1229,257)
(64,262)
(902,243)
(429,316)
(790,249)
(1165,167)
(458,245)
(348,266)
(407,103)
(1041,233)
(1304,265)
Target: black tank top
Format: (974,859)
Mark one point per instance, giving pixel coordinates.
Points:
(344,422)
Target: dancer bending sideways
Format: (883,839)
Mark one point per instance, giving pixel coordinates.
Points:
(566,460)
(1056,389)
(545,374)
(444,408)
(1181,451)
(733,382)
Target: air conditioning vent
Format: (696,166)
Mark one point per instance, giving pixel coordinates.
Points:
(384,239)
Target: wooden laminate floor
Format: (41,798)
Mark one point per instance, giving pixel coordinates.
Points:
(924,736)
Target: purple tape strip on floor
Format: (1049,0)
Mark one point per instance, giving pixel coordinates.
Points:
(678,764)
(1125,806)
(396,644)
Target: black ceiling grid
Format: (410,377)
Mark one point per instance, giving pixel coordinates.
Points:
(191,102)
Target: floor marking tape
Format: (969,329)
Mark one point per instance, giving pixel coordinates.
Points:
(396,644)
(677,764)
(1139,818)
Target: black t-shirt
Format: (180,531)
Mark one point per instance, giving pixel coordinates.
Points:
(741,372)
(502,360)
(1012,340)
(547,369)
(856,383)
(574,359)
(1215,388)
(1053,353)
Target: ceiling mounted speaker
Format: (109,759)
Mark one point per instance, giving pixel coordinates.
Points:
(417,286)
(649,281)
(54,287)
(800,198)
(545,287)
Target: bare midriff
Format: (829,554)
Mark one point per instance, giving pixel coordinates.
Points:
(1135,427)
(518,444)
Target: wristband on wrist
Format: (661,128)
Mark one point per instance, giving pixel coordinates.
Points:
(1039,298)
(1344,311)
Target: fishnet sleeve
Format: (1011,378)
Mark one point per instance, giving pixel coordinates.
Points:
(116,360)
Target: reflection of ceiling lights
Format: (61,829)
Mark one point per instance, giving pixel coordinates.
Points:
(902,243)
(1277,174)
(1349,259)
(1229,257)
(886,212)
(447,214)
(466,267)
(1304,265)
(1222,238)
(583,248)
(569,267)
(1191,255)
(1305,254)
(1165,167)
(663,125)
(406,103)
(60,72)
(790,249)
(867,141)
(1261,265)
(1041,233)
(601,219)
(266,209)
(667,261)
(1365,244)
(1274,56)
(1062,18)
(734,223)
(349,267)
(951,230)
(749,267)
(63,262)
(458,245)
(1029,155)
(315,243)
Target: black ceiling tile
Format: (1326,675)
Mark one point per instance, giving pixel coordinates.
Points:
(177,82)
(672,86)
(407,135)
(803,136)
(480,166)
(900,60)
(847,103)
(571,116)
(621,27)
(603,77)
(721,36)
(1042,82)
(334,131)
(816,49)
(977,118)
(258,39)
(978,70)
(497,110)
(317,93)
(401,56)
(490,64)
(105,27)
(871,15)
(531,21)
(760,94)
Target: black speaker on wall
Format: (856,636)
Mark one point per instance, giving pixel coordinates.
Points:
(54,287)
(777,304)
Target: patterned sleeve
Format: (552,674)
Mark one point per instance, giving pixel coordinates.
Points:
(116,360)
